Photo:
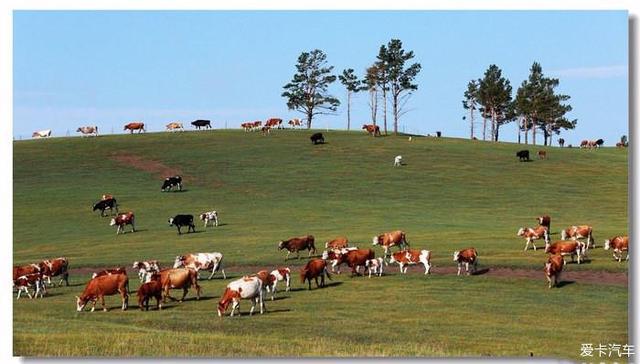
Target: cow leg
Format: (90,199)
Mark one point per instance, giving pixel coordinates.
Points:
(549,279)
(125,300)
(104,307)
(322,280)
(526,245)
(287,257)
(213,270)
(253,305)
(65,276)
(185,290)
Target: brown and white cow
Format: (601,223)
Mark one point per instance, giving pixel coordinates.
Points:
(88,130)
(19,271)
(580,232)
(374,266)
(55,267)
(619,244)
(295,122)
(41,134)
(148,290)
(408,257)
(544,220)
(266,130)
(106,285)
(135,126)
(297,244)
(466,257)
(124,219)
(393,238)
(356,258)
(145,269)
(24,282)
(371,129)
(245,287)
(584,144)
(553,268)
(542,154)
(175,126)
(531,234)
(201,261)
(119,270)
(573,248)
(279,275)
(274,123)
(333,256)
(337,243)
(312,270)
(176,278)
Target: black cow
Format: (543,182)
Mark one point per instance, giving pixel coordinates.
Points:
(170,182)
(201,123)
(523,155)
(561,142)
(182,220)
(108,204)
(599,143)
(317,138)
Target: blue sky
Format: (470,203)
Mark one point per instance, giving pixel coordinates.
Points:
(107,68)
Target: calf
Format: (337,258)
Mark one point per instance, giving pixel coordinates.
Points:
(170,182)
(408,257)
(122,220)
(356,258)
(175,126)
(374,266)
(119,270)
(371,129)
(209,216)
(337,243)
(297,244)
(530,234)
(279,275)
(88,130)
(553,268)
(466,257)
(245,287)
(387,240)
(317,138)
(35,280)
(182,220)
(312,270)
(106,285)
(176,278)
(106,204)
(573,248)
(542,154)
(619,244)
(523,155)
(146,269)
(580,232)
(333,255)
(201,261)
(153,288)
(55,267)
(397,161)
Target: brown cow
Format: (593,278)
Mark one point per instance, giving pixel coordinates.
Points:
(315,268)
(333,256)
(553,268)
(337,243)
(119,270)
(19,271)
(580,232)
(387,240)
(545,220)
(23,282)
(178,278)
(135,126)
(55,267)
(466,257)
(573,248)
(266,130)
(371,129)
(619,244)
(273,123)
(175,126)
(106,285)
(408,257)
(530,234)
(153,288)
(542,154)
(584,144)
(124,219)
(297,244)
(356,258)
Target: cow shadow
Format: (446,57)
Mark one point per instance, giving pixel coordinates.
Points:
(480,272)
(192,232)
(277,298)
(564,283)
(332,284)
(256,312)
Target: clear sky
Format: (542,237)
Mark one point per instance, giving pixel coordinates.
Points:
(107,68)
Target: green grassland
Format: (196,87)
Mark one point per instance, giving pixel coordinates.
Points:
(450,194)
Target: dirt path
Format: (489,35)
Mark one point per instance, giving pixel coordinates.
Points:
(146,165)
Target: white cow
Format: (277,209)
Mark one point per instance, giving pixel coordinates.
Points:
(88,130)
(374,266)
(209,216)
(41,134)
(397,161)
(146,269)
(204,261)
(279,275)
(245,287)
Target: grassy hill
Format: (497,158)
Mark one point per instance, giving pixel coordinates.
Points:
(450,194)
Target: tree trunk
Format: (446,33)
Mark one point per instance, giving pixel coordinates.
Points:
(348,110)
(526,131)
(484,126)
(519,126)
(395,115)
(493,125)
(533,130)
(497,132)
(384,108)
(472,123)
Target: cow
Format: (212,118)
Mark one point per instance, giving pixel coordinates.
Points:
(356,258)
(122,220)
(374,266)
(466,257)
(387,240)
(312,270)
(201,124)
(150,289)
(246,126)
(619,244)
(545,220)
(55,267)
(106,285)
(408,257)
(266,130)
(88,130)
(176,278)
(561,142)
(573,248)
(317,138)
(337,243)
(579,232)
(245,287)
(170,182)
(531,234)
(24,270)
(297,244)
(333,255)
(295,122)
(371,129)
(584,144)
(542,154)
(182,220)
(397,161)
(599,143)
(145,269)
(105,272)
(619,145)
(279,275)
(106,196)
(175,126)
(24,282)
(201,261)
(553,268)
(209,216)
(523,155)
(41,134)
(135,126)
(106,204)
(274,123)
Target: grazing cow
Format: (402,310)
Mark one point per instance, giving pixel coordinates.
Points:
(107,196)
(19,271)
(124,219)
(106,285)
(584,144)
(466,257)
(106,272)
(573,248)
(273,123)
(317,138)
(397,161)
(553,268)
(619,244)
(266,130)
(374,266)
(580,232)
(201,261)
(106,204)
(201,124)
(295,122)
(619,145)
(337,243)
(41,134)
(145,269)
(279,275)
(297,244)
(55,267)
(170,182)
(209,216)
(371,129)
(88,130)
(387,240)
(561,142)
(153,288)
(356,258)
(544,220)
(245,287)
(24,282)
(530,234)
(333,255)
(523,155)
(182,220)
(542,154)
(175,126)
(176,278)
(246,126)
(315,268)
(408,257)
(135,126)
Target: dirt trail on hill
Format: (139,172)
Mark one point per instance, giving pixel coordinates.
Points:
(146,165)
(568,276)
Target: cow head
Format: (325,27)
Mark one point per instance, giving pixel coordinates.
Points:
(113,222)
(521,232)
(325,255)
(281,245)
(547,269)
(607,244)
(80,303)
(170,221)
(565,234)
(227,298)
(456,256)
(376,240)
(179,262)
(137,265)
